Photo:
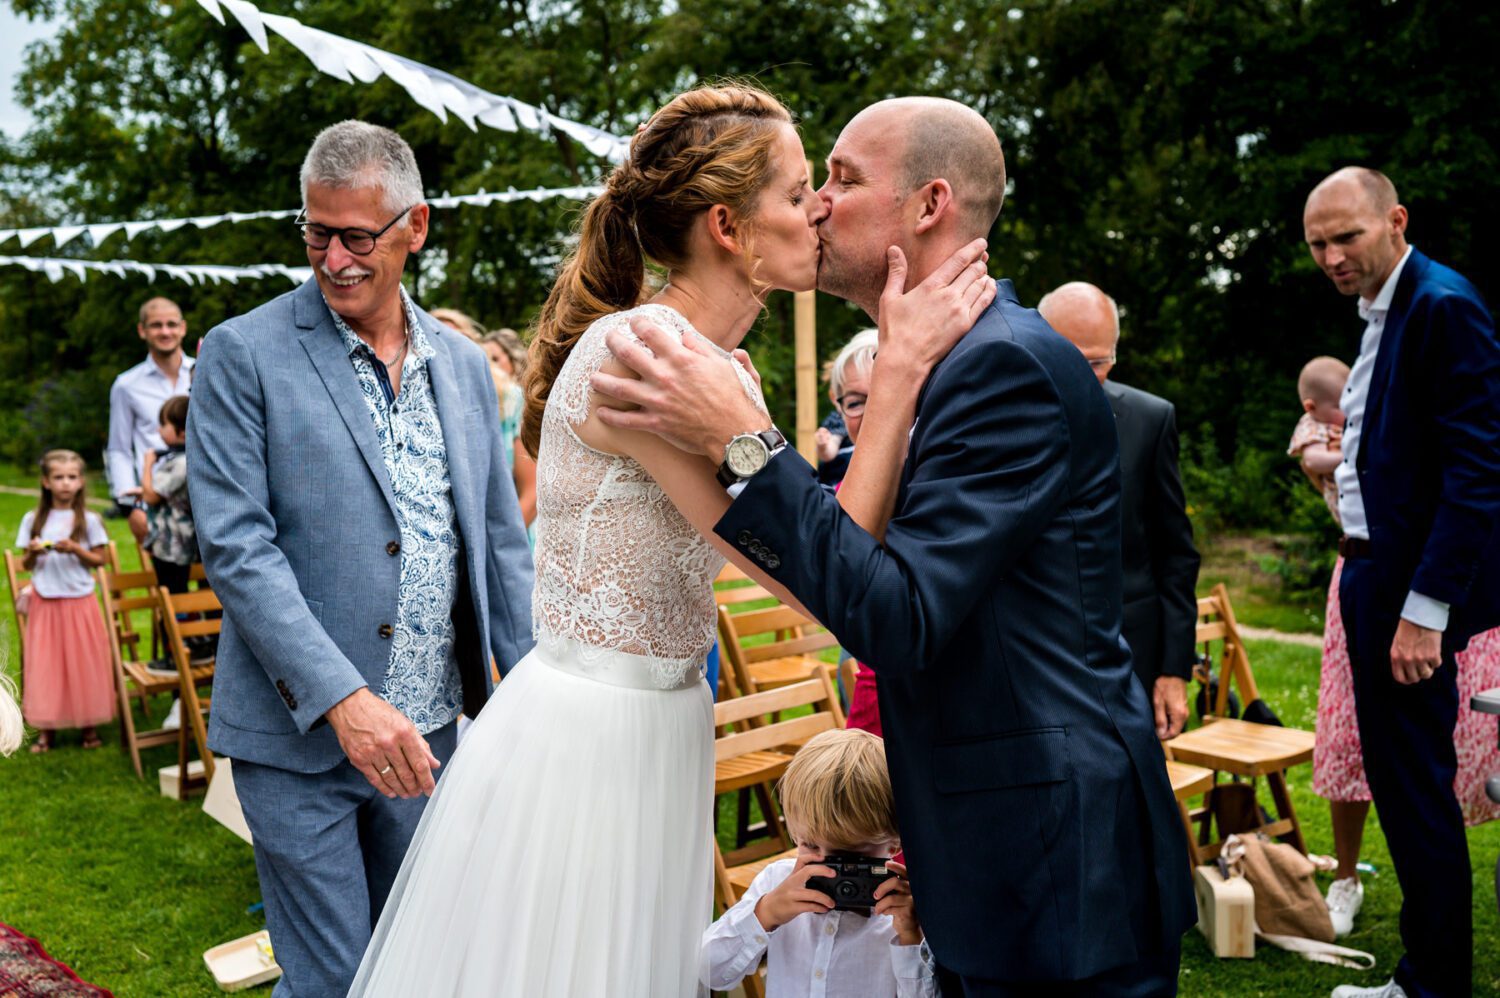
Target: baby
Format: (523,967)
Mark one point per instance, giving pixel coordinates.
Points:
(1317,440)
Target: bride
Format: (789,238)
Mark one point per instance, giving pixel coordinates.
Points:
(567,849)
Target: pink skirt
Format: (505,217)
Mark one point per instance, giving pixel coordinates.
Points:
(68,681)
(1338,766)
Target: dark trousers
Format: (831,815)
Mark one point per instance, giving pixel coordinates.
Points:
(1410,761)
(175,578)
(1153,977)
(328,847)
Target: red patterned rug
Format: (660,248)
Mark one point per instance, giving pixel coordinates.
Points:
(26,971)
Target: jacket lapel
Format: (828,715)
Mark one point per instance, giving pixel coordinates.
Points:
(450,409)
(326,351)
(1004,291)
(1390,346)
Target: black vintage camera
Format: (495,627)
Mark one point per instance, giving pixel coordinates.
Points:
(854,880)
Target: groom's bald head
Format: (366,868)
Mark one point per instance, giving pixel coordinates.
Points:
(943,139)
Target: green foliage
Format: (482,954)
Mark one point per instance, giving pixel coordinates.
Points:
(1159,149)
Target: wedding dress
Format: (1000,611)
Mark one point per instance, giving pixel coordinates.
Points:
(566,851)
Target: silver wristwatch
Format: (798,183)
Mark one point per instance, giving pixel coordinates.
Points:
(747,453)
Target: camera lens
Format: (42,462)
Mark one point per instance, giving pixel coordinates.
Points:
(846,889)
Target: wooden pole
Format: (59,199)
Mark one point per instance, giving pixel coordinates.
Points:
(806,383)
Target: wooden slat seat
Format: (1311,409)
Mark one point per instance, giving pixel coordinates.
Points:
(204,605)
(1240,749)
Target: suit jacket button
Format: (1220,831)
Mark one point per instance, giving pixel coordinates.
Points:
(291,702)
(744,538)
(281,685)
(385,630)
(393,548)
(773,563)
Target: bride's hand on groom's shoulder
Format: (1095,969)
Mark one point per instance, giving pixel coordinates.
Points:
(918,326)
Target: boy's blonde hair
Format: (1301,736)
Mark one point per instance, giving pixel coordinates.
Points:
(837,790)
(1322,379)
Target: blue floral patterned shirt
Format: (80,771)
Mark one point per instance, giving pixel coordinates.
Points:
(421,679)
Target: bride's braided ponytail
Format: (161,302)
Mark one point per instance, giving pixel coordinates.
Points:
(708,146)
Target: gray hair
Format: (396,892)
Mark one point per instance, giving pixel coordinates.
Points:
(357,154)
(858,356)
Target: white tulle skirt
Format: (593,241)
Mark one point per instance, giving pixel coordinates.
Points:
(566,852)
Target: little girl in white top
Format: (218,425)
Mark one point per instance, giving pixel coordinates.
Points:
(65,671)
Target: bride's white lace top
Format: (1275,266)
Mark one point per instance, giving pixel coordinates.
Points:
(618,568)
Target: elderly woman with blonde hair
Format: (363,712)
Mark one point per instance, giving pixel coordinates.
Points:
(507,356)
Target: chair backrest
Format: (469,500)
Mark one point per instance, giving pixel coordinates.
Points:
(125,593)
(16,577)
(1216,623)
(734,588)
(746,715)
(770,633)
(201,601)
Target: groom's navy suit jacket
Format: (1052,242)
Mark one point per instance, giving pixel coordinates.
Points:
(1041,833)
(1429,452)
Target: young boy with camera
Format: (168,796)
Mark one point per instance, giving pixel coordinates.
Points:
(837,920)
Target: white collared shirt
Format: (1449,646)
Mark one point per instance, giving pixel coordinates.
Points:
(135,401)
(1419,609)
(841,954)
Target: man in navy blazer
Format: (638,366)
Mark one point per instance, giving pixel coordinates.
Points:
(1044,847)
(1419,495)
(358,522)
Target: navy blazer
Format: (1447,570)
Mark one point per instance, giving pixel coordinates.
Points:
(1429,452)
(297,524)
(1042,836)
(1160,561)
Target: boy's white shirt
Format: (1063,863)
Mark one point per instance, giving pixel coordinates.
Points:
(840,954)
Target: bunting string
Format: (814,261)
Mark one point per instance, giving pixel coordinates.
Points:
(435,90)
(195,273)
(97,232)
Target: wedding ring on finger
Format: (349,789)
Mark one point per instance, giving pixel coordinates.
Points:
(387,769)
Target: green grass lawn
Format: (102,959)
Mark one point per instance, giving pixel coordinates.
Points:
(129,887)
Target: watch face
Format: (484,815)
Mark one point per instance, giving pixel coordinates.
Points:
(746,455)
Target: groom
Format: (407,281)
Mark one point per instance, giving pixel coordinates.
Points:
(1042,836)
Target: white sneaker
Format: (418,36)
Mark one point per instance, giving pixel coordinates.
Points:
(1390,989)
(174,717)
(1345,898)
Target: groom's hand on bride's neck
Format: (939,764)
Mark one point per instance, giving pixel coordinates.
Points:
(684,391)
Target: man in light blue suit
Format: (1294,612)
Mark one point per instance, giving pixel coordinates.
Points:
(358,521)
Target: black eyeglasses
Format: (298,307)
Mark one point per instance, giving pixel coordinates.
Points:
(852,404)
(360,242)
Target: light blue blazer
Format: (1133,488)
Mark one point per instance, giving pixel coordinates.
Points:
(297,525)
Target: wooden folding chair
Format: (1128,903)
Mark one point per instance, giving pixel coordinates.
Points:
(1189,782)
(771,647)
(124,594)
(190,677)
(753,749)
(733,588)
(1239,748)
(16,577)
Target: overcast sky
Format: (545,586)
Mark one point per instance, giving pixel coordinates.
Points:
(15,33)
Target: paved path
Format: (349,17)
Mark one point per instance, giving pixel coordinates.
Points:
(1267,634)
